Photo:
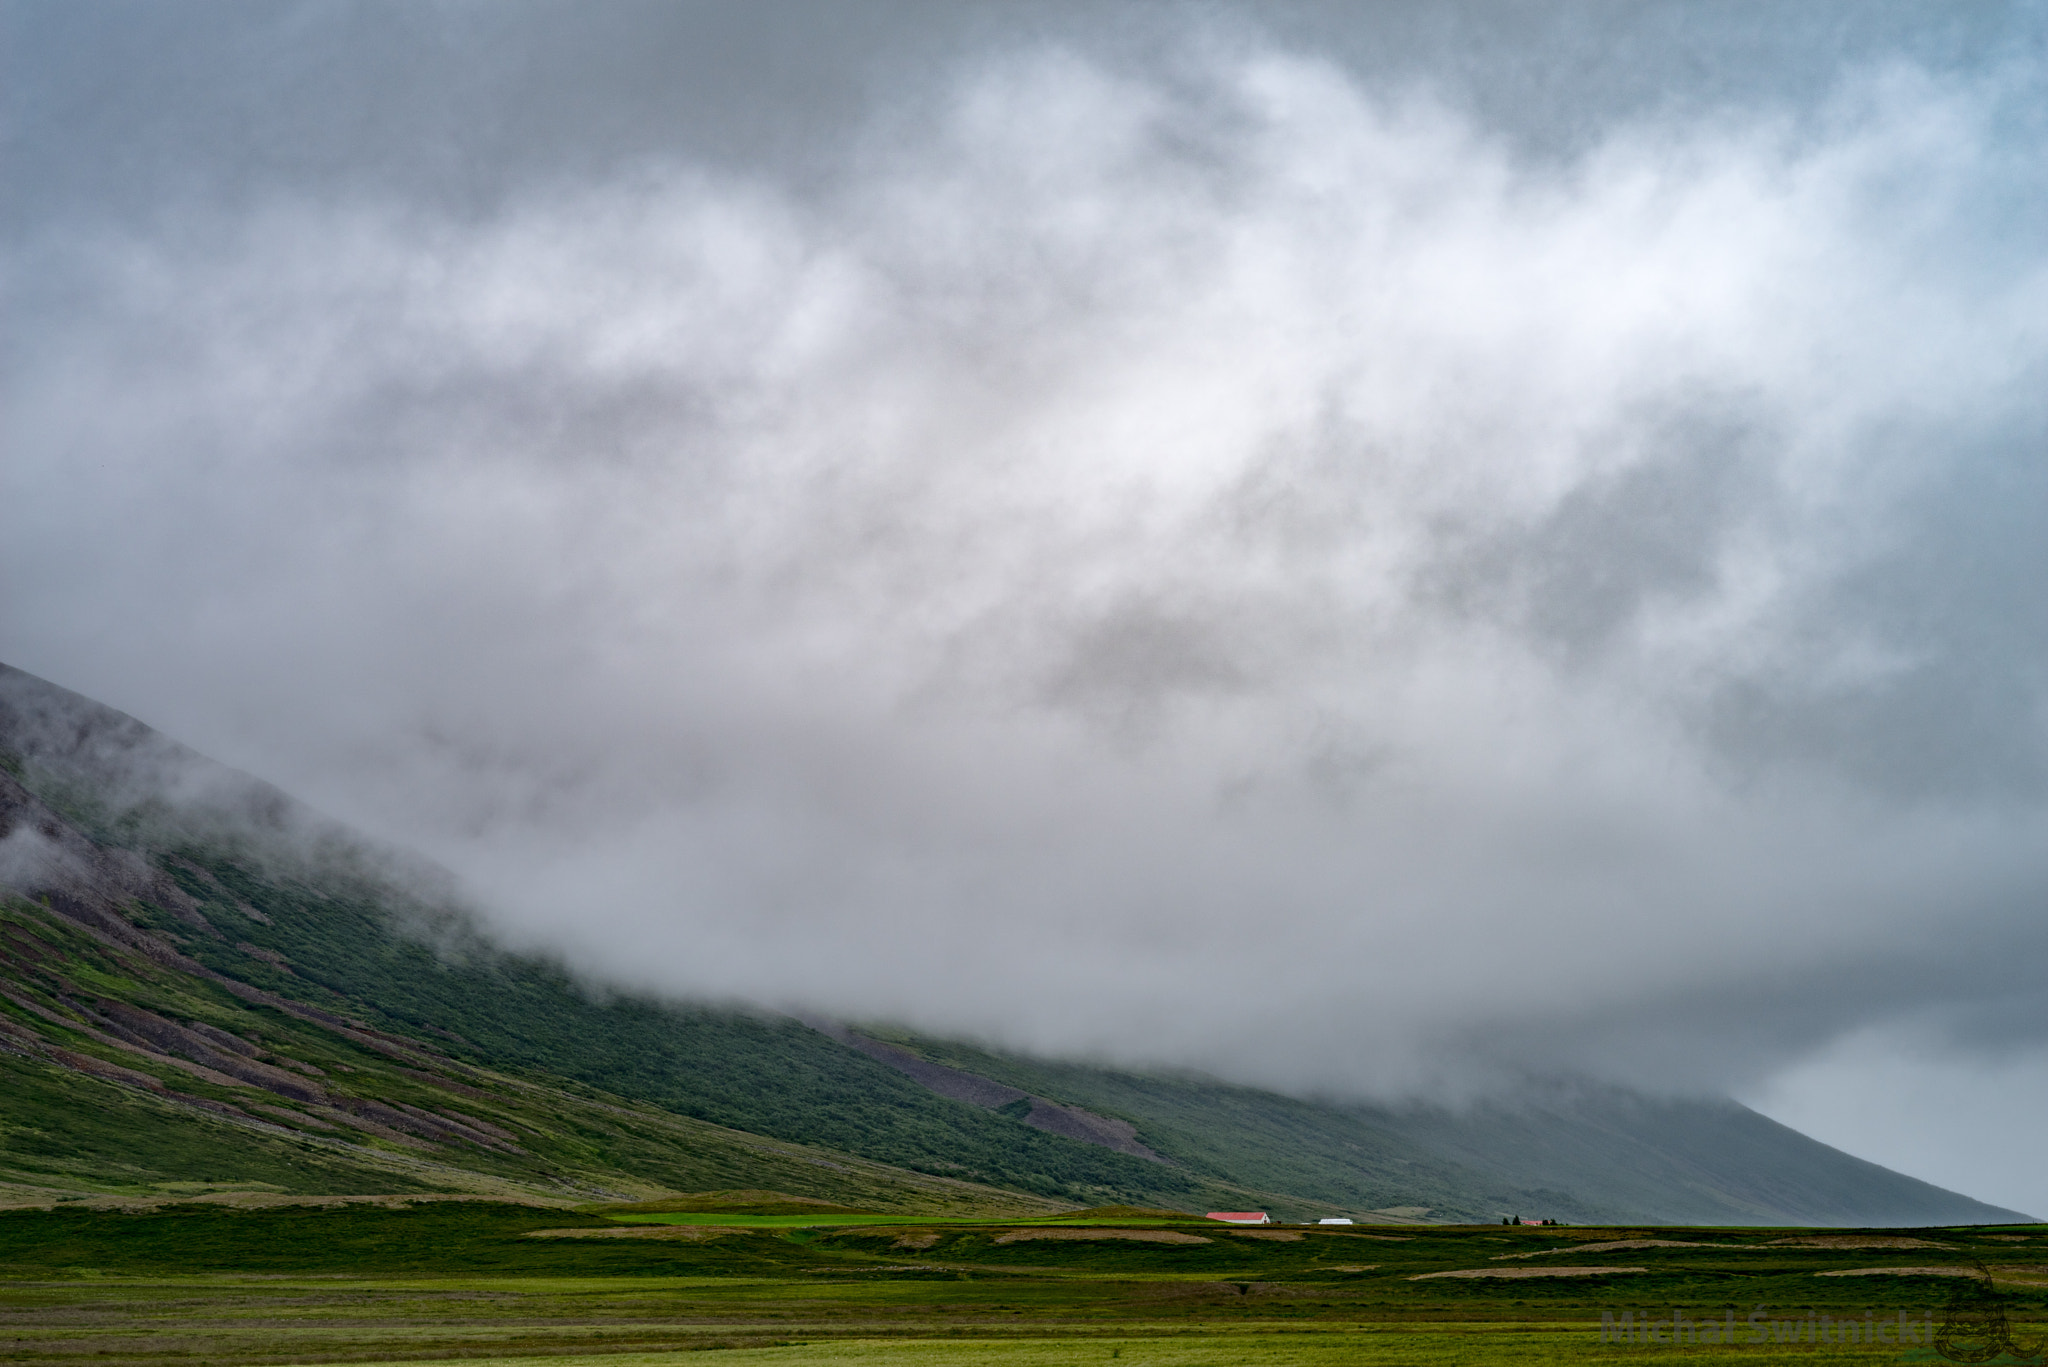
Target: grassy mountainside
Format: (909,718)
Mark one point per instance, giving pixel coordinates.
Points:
(124,1073)
(231,910)
(303,1018)
(1582,1154)
(760,1074)
(1685,1161)
(206,983)
(1212,1128)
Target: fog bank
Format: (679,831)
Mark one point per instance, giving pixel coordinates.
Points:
(1205,560)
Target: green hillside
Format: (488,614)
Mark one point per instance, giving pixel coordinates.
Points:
(763,1074)
(1334,1157)
(226,989)
(257,1046)
(1583,1153)
(342,1043)
(305,1106)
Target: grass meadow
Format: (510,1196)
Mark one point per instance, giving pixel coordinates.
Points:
(481,1282)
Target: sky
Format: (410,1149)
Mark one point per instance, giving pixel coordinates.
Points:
(1371,549)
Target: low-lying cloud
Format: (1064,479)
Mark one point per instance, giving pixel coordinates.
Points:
(1209,563)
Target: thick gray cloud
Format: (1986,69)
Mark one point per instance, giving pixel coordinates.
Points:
(1202,551)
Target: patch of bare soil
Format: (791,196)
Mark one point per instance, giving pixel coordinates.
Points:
(1901,1272)
(1140,1236)
(2027,1275)
(1517,1272)
(1855,1241)
(1612,1245)
(917,1239)
(1281,1236)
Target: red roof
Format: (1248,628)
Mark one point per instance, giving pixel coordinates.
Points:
(1241,1217)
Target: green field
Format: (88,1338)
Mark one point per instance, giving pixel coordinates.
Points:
(477,1281)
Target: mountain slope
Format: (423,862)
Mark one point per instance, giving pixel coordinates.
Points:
(1578,1152)
(124,1071)
(259,996)
(108,828)
(127,1066)
(1686,1161)
(1313,1151)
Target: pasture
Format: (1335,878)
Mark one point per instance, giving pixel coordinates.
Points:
(486,1282)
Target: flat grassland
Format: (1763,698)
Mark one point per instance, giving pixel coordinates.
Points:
(483,1282)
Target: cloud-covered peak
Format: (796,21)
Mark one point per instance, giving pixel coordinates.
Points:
(1212,562)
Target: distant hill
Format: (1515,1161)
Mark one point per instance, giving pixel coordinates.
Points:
(204,983)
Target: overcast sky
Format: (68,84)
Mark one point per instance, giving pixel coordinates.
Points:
(1374,548)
